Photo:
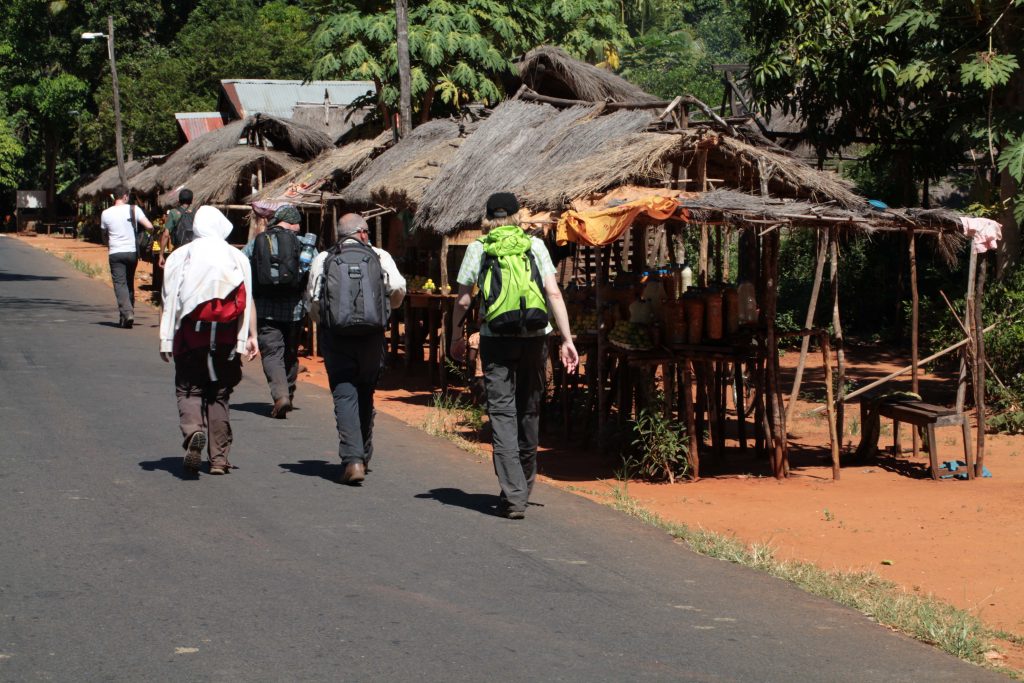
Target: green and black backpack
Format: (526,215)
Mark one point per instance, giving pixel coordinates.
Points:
(513,299)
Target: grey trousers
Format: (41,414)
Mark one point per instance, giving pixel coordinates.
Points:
(279,351)
(514,382)
(202,404)
(122,272)
(353,367)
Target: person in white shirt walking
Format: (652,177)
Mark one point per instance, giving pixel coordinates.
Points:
(353,357)
(119,234)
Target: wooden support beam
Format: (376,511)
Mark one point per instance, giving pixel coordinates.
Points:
(961,389)
(819,270)
(914,326)
(979,368)
(837,330)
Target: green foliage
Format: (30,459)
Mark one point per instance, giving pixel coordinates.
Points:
(459,52)
(10,155)
(661,446)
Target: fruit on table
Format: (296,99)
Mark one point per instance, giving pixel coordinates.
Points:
(630,334)
(585,322)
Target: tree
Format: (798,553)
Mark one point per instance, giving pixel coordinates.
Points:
(927,83)
(461,51)
(10,156)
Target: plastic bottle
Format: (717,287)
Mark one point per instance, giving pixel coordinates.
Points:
(687,278)
(654,293)
(308,251)
(747,300)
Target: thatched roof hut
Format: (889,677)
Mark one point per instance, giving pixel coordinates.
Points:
(550,71)
(312,182)
(282,135)
(109,179)
(399,177)
(227,177)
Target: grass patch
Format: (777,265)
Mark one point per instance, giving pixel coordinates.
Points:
(84,266)
(925,618)
(450,416)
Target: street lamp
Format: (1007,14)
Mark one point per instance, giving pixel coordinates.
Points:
(118,148)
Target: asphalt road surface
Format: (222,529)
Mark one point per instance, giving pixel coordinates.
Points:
(115,567)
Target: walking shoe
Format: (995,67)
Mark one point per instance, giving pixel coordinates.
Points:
(516,514)
(355,472)
(218,469)
(128,322)
(194,452)
(281,408)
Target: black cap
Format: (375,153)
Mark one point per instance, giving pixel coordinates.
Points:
(502,205)
(185,196)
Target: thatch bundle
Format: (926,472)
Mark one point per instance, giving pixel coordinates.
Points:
(518,143)
(551,71)
(399,177)
(109,179)
(332,170)
(227,176)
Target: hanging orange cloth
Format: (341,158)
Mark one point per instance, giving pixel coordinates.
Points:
(604,226)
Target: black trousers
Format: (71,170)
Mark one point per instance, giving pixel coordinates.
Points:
(279,351)
(353,368)
(514,382)
(122,272)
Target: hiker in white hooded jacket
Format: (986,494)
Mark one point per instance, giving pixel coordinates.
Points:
(207,275)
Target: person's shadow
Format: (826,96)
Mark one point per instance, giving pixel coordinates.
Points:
(314,468)
(174,466)
(484,503)
(255,407)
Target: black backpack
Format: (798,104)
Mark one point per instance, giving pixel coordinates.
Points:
(353,299)
(275,262)
(183,233)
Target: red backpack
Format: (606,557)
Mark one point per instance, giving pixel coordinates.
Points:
(212,322)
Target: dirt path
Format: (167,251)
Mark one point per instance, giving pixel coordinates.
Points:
(961,541)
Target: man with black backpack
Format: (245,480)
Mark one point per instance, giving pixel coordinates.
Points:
(279,281)
(519,294)
(178,230)
(353,287)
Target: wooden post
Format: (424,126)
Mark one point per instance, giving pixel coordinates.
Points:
(776,410)
(601,398)
(961,389)
(404,71)
(914,314)
(837,325)
(979,368)
(833,439)
(693,452)
(122,176)
(819,270)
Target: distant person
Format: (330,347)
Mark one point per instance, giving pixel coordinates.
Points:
(178,230)
(119,225)
(513,340)
(353,287)
(208,321)
(279,280)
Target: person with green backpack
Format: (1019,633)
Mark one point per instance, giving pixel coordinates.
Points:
(519,295)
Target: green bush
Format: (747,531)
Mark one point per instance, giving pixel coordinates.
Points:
(661,448)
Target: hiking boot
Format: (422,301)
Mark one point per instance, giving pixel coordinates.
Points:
(220,466)
(515,514)
(281,408)
(128,322)
(355,472)
(194,452)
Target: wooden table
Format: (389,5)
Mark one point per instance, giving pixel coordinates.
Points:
(437,309)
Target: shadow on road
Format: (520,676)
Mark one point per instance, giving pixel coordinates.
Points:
(173,466)
(314,468)
(485,503)
(22,277)
(254,407)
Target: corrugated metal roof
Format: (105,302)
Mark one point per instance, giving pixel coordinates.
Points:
(279,97)
(195,123)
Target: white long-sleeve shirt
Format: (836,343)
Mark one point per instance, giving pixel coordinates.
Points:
(394,282)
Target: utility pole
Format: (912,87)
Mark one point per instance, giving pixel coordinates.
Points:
(118,146)
(404,75)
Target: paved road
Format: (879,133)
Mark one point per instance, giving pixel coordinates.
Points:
(114,567)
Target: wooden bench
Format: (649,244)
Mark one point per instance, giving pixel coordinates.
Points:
(929,416)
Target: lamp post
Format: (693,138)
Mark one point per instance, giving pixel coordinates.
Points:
(118,148)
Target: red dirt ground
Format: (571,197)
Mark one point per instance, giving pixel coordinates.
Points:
(961,541)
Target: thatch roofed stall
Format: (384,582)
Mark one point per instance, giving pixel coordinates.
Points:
(518,142)
(280,135)
(105,182)
(398,178)
(227,176)
(314,182)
